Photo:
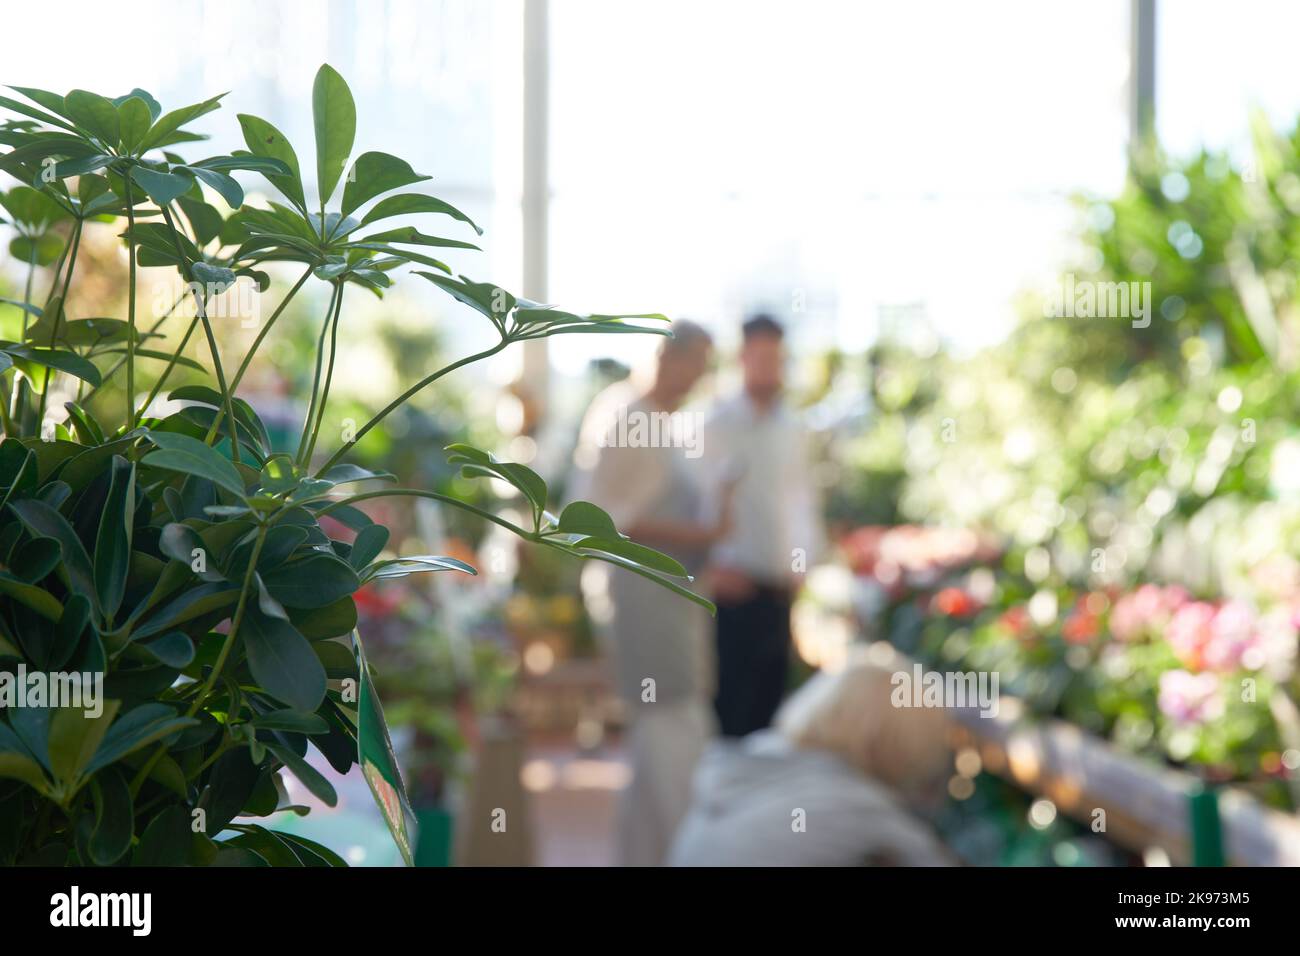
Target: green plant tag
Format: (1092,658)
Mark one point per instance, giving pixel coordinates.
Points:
(377,760)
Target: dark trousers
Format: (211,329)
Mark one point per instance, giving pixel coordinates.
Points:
(753,660)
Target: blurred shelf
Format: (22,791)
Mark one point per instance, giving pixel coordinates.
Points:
(1146,804)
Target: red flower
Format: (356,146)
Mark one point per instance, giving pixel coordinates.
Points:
(1015,620)
(954,602)
(1081,627)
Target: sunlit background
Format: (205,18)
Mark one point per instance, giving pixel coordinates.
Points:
(893,180)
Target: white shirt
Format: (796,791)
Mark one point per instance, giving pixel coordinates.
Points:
(776,524)
(652,633)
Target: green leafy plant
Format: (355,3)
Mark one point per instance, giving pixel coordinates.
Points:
(181,558)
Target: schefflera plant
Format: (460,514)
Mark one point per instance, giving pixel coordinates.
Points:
(183,558)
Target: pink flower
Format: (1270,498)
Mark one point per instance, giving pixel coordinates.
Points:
(1190,698)
(1146,611)
(1234,634)
(1275,653)
(1190,631)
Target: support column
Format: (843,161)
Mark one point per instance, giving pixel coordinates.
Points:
(536,187)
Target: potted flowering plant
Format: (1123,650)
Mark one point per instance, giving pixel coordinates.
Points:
(178,562)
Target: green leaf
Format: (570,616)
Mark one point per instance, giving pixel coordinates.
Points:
(174,649)
(494,302)
(166,841)
(409,204)
(333,620)
(282,661)
(181,453)
(25,306)
(369,542)
(637,569)
(217,279)
(113,543)
(631,551)
(310,777)
(151,104)
(266,845)
(137,728)
(42,602)
(335,117)
(279,475)
(43,250)
(163,188)
(114,815)
(227,188)
(16,766)
(162,132)
(303,846)
(478,463)
(416,564)
(582,517)
(36,558)
(292,721)
(263,139)
(32,207)
(80,166)
(134,120)
(29,358)
(230,786)
(95,114)
(311,582)
(191,604)
(88,430)
(374,174)
(51,101)
(42,521)
(347,473)
(409,235)
(74,738)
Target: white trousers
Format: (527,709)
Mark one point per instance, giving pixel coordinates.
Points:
(664,743)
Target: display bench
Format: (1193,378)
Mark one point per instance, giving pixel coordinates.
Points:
(1145,804)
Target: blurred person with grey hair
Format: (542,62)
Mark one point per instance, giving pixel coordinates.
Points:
(637,458)
(831,785)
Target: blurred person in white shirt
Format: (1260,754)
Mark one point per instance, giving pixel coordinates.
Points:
(757,441)
(637,458)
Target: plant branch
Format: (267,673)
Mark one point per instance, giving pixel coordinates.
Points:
(315,382)
(329,377)
(252,349)
(130,305)
(435,496)
(405,396)
(120,362)
(171,364)
(58,317)
(188,275)
(138,780)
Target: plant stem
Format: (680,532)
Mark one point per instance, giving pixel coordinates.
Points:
(116,368)
(315,383)
(234,625)
(58,318)
(212,339)
(130,306)
(162,379)
(252,349)
(405,396)
(138,780)
(329,378)
(27,290)
(435,496)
